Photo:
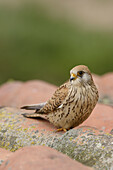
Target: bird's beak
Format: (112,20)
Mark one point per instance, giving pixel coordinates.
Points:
(73,77)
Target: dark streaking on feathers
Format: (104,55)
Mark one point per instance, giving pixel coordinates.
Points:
(72,102)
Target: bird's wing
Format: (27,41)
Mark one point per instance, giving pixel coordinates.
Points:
(56,100)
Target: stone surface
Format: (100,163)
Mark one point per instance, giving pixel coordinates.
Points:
(91,143)
(18,93)
(101,118)
(41,157)
(17,131)
(4,154)
(105,85)
(87,145)
(35,91)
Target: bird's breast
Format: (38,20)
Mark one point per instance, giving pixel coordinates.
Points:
(75,109)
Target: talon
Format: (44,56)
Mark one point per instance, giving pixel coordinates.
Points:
(61,129)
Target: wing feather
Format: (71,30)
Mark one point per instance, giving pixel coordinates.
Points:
(56,100)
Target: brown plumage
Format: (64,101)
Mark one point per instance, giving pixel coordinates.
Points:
(72,102)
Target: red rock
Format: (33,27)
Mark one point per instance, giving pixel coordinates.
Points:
(104,84)
(8,92)
(41,158)
(4,154)
(96,78)
(18,93)
(101,118)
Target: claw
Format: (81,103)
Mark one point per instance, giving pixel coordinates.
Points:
(61,129)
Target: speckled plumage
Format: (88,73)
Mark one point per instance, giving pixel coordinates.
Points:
(72,102)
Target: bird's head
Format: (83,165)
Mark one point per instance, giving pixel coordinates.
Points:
(80,75)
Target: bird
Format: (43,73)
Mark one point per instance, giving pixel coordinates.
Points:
(71,104)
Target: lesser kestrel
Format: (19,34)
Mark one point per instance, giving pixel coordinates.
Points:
(71,103)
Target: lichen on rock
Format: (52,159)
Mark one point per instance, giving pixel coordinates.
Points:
(88,145)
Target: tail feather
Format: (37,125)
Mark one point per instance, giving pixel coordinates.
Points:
(34,115)
(34,106)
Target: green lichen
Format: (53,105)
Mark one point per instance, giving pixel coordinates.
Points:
(84,146)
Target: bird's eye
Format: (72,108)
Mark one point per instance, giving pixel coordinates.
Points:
(80,73)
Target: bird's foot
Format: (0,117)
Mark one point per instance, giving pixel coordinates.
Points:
(61,129)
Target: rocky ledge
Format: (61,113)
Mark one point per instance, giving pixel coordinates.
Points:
(85,147)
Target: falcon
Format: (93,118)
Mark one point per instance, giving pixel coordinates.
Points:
(71,104)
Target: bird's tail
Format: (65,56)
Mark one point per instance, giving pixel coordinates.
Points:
(34,106)
(34,115)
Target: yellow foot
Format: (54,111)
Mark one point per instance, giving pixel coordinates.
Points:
(61,129)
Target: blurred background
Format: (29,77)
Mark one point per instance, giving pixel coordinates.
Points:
(44,39)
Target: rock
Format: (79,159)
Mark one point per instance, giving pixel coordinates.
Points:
(111,132)
(41,157)
(8,92)
(101,118)
(87,145)
(17,93)
(17,131)
(105,84)
(4,154)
